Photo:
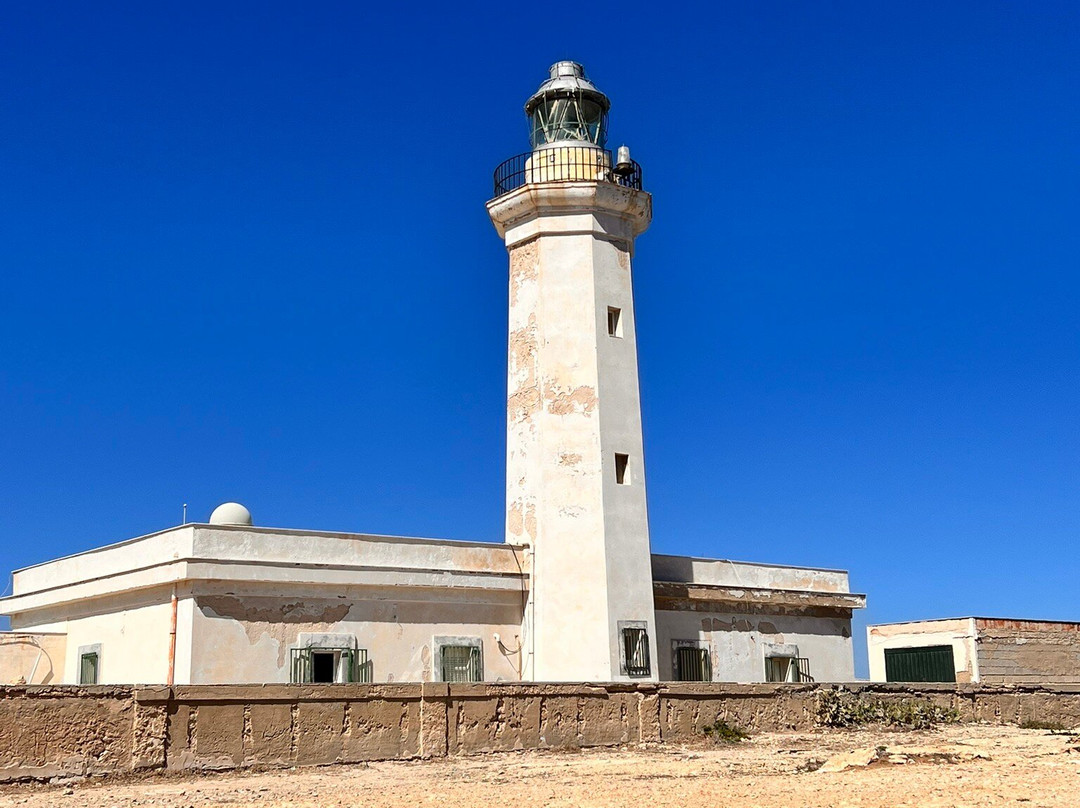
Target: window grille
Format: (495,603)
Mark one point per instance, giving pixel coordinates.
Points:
(787,669)
(692,664)
(88,669)
(461,663)
(351,665)
(636,651)
(803,669)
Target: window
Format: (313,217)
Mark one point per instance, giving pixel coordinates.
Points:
(460,663)
(458,659)
(88,668)
(324,665)
(614,322)
(621,463)
(787,669)
(316,665)
(328,658)
(691,662)
(634,649)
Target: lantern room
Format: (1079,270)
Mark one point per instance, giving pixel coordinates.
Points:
(568,133)
(567,108)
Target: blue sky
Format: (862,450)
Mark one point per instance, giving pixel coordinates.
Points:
(245,256)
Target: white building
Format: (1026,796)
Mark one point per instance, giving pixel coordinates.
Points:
(574,593)
(975,649)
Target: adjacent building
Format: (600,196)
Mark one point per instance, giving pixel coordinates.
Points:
(573,593)
(975,649)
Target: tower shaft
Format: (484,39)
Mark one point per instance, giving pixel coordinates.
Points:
(575,480)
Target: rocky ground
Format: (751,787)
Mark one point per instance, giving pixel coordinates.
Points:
(968,765)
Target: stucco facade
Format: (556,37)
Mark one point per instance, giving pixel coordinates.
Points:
(246,597)
(573,404)
(572,594)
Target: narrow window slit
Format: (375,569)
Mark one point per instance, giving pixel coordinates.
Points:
(622,461)
(614,322)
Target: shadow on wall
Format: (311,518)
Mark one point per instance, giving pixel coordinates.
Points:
(30,658)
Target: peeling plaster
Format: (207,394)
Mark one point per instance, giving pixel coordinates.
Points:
(524,268)
(515,519)
(523,352)
(530,521)
(521,518)
(523,404)
(276,620)
(565,402)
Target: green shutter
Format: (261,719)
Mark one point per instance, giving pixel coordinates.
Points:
(783,669)
(300,667)
(88,669)
(932,663)
(348,665)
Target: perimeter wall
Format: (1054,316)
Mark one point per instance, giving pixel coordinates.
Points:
(65,731)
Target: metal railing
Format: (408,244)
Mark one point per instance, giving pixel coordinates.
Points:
(569,163)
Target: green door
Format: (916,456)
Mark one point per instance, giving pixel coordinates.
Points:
(933,663)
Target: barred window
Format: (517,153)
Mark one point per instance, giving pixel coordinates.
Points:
(692,662)
(635,651)
(316,665)
(461,663)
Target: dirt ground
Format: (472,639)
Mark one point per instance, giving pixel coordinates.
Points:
(970,765)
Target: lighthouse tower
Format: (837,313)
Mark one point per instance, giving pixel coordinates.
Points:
(575,473)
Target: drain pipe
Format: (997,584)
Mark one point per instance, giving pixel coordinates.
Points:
(172,639)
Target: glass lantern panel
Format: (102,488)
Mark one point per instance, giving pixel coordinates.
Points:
(561,119)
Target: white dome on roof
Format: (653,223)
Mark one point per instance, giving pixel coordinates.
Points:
(230,513)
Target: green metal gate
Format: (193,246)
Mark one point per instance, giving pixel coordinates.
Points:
(932,663)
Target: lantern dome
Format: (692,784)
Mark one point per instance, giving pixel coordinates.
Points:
(567,108)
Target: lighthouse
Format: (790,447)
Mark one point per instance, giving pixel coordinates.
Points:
(569,212)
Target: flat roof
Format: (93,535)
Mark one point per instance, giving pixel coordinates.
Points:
(750,563)
(390,538)
(976,617)
(278,530)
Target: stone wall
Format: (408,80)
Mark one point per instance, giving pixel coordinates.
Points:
(50,732)
(54,731)
(1028,655)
